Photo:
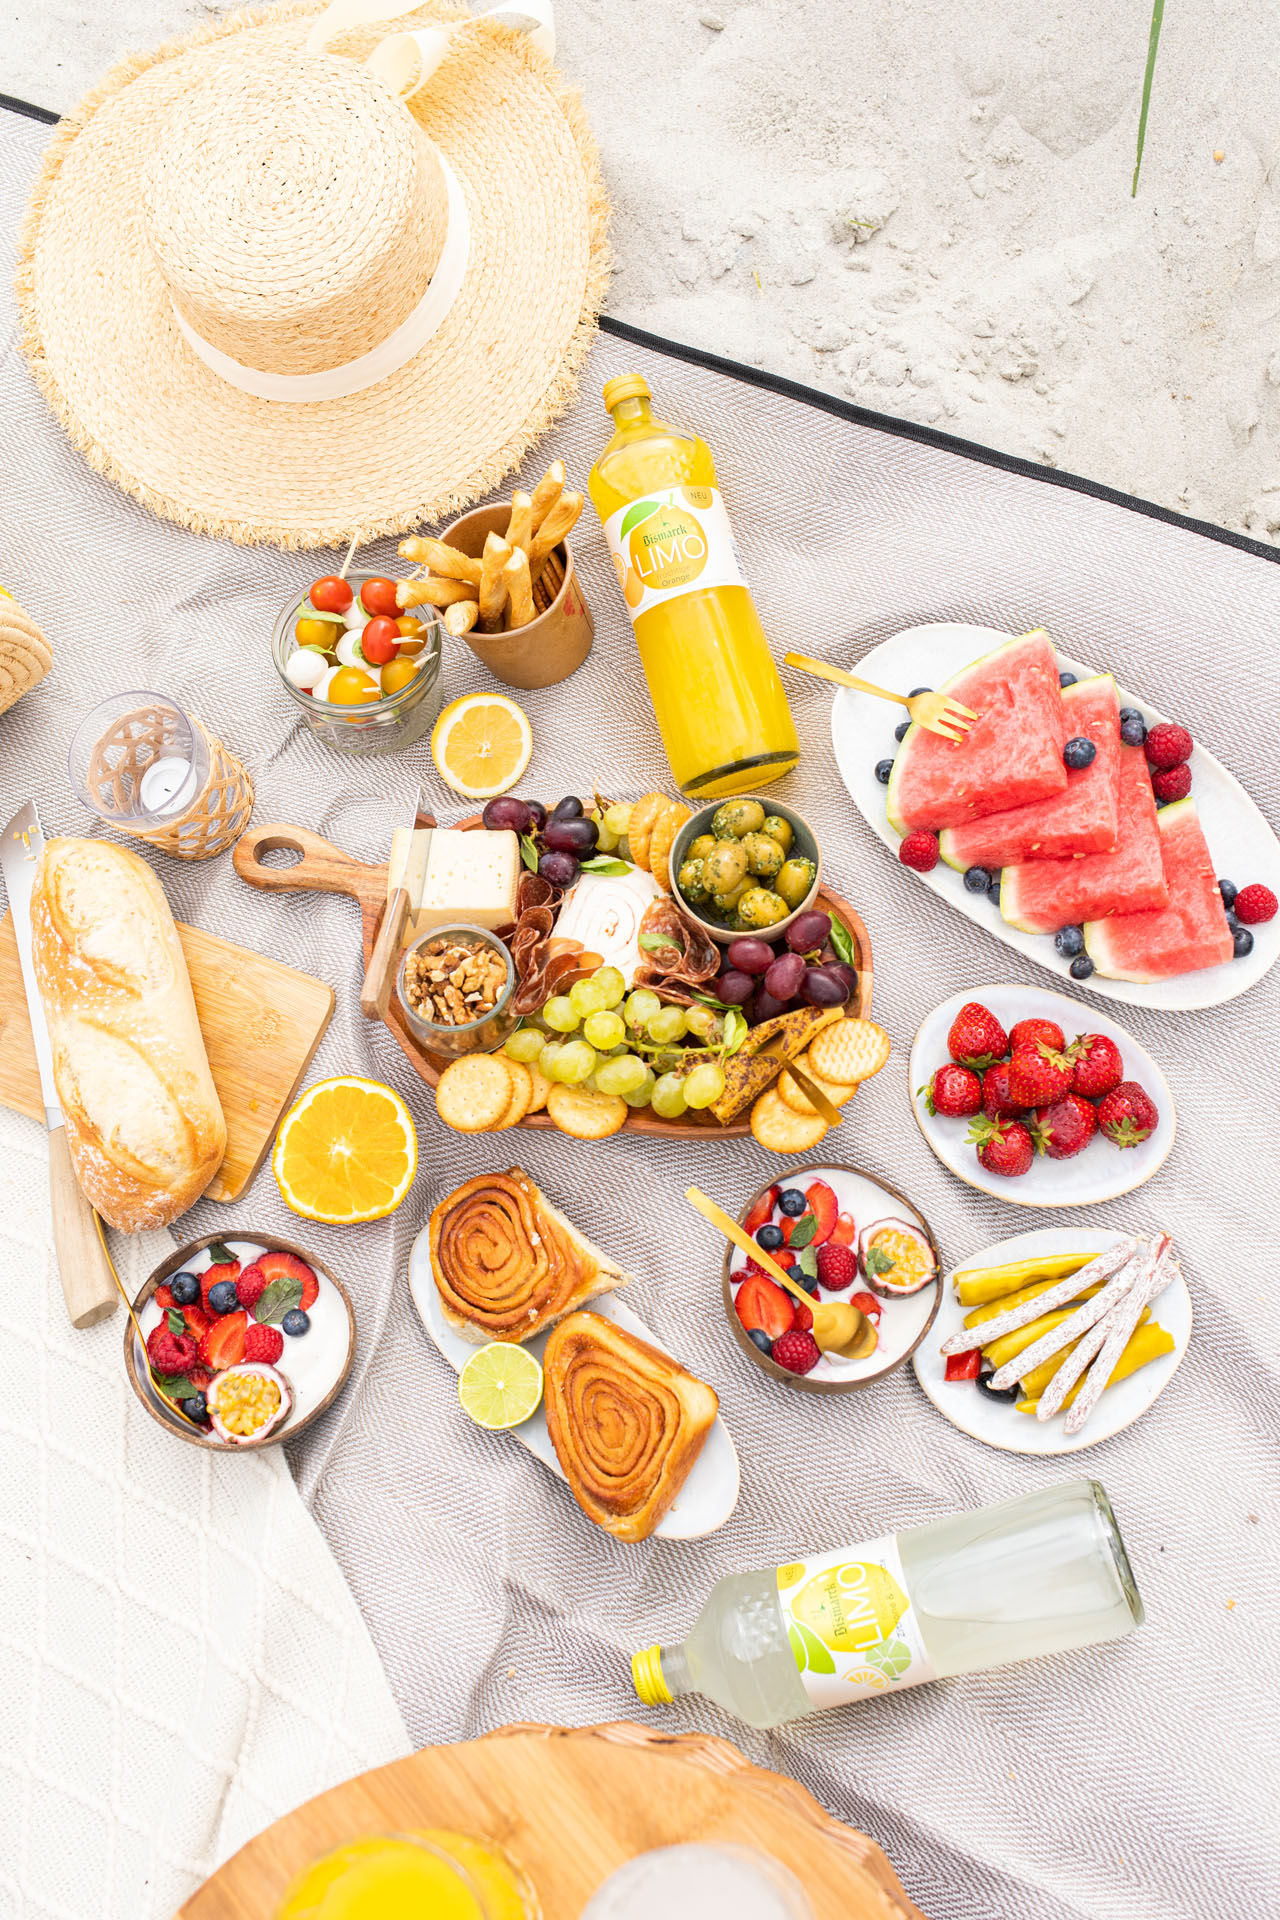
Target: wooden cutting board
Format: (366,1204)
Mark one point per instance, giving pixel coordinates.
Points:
(261,1021)
(571,1804)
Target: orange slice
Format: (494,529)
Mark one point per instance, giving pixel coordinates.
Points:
(346,1151)
(481,744)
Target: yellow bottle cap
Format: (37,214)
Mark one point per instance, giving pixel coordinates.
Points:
(628,386)
(647,1677)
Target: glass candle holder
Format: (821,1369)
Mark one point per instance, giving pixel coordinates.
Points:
(148,769)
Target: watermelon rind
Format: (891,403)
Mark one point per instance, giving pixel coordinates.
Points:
(1115,945)
(1039,896)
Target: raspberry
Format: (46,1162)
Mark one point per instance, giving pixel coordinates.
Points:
(170,1352)
(263,1343)
(251,1286)
(1171,783)
(1168,746)
(797,1352)
(837,1267)
(1255,904)
(920,851)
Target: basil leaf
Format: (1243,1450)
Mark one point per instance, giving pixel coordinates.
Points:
(601,863)
(655,942)
(809,1262)
(529,852)
(220,1255)
(802,1232)
(842,941)
(276,1300)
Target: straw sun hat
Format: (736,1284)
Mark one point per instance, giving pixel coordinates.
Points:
(317,271)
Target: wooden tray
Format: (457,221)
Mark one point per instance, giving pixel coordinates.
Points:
(572,1804)
(261,1022)
(324,868)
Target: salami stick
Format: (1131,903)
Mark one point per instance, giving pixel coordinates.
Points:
(1086,1315)
(1099,1269)
(1157,1273)
(1071,1369)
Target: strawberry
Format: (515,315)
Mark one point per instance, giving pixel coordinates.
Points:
(868,1304)
(1168,745)
(1255,904)
(1127,1115)
(954,1092)
(165,1300)
(762,1211)
(1099,1065)
(1171,783)
(845,1230)
(170,1352)
(1004,1146)
(803,1322)
(282,1266)
(996,1101)
(263,1343)
(919,851)
(1039,1075)
(1028,1032)
(200,1377)
(198,1321)
(251,1285)
(1065,1128)
(837,1267)
(797,1352)
(225,1270)
(760,1302)
(976,1037)
(223,1345)
(825,1209)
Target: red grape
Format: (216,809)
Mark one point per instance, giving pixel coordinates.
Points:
(784,976)
(821,987)
(507,813)
(537,815)
(808,930)
(841,970)
(561,869)
(765,1007)
(380,640)
(379,596)
(734,987)
(331,594)
(571,835)
(751,956)
(570,808)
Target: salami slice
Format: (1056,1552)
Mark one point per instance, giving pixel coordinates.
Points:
(675,953)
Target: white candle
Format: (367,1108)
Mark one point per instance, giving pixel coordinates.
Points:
(161,788)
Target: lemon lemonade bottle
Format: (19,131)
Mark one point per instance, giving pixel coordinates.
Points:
(721,710)
(407,1876)
(1045,1573)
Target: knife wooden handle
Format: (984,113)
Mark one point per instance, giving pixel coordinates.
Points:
(87,1284)
(375,994)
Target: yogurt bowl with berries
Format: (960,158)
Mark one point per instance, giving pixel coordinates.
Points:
(248,1340)
(844,1237)
(364,674)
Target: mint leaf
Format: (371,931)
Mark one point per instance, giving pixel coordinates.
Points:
(808,1262)
(878,1261)
(220,1254)
(175,1321)
(842,941)
(529,852)
(176,1386)
(276,1300)
(802,1232)
(601,863)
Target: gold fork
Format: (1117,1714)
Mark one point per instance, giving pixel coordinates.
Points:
(935,712)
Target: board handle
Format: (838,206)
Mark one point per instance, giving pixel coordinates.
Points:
(375,994)
(319,868)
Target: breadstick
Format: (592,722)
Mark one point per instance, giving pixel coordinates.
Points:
(520,525)
(493,592)
(557,524)
(432,593)
(461,617)
(515,578)
(444,560)
(546,493)
(1102,1267)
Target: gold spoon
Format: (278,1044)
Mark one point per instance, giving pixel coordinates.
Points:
(837,1326)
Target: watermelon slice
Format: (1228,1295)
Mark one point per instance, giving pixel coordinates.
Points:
(1011,754)
(1083,818)
(1042,895)
(1189,934)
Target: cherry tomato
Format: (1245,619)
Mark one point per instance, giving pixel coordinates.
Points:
(379,596)
(317,633)
(350,686)
(331,594)
(380,641)
(397,674)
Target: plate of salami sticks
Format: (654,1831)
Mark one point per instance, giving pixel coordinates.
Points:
(1051,1341)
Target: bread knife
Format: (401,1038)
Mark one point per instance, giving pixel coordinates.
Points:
(375,994)
(87,1283)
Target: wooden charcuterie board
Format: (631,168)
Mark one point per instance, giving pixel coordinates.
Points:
(261,1022)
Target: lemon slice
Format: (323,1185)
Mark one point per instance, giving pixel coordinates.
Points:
(346,1151)
(481,744)
(500,1386)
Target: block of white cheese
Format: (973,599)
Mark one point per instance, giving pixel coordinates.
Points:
(603,911)
(452,875)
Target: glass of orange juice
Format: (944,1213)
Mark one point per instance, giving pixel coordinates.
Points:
(431,1873)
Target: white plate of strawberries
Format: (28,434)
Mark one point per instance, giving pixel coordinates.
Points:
(1032,1097)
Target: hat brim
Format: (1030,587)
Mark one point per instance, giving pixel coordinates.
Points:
(103,342)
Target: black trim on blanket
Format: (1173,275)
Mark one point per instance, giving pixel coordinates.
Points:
(864,416)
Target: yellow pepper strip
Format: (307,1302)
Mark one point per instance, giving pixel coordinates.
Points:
(1147,1344)
(997,1307)
(980,1284)
(1039,1377)
(1010,1345)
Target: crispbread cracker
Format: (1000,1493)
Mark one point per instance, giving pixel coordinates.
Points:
(585,1115)
(665,828)
(640,825)
(473,1093)
(837,1091)
(849,1050)
(521,1090)
(781,1131)
(541,1088)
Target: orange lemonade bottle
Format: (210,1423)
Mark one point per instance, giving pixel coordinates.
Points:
(719,703)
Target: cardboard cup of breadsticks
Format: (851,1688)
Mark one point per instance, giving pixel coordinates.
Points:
(504,579)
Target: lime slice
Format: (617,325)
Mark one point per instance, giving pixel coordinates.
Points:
(500,1386)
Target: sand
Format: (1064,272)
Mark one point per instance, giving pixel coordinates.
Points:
(926,209)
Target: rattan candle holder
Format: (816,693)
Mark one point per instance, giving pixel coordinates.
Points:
(133,761)
(25,654)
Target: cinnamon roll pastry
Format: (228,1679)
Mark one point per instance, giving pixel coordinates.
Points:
(627,1422)
(507,1264)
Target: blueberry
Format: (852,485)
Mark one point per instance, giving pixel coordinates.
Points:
(1081,967)
(1079,753)
(1069,941)
(296,1323)
(883,769)
(1066,679)
(809,1281)
(1130,713)
(185,1288)
(998,1393)
(1133,732)
(977,880)
(1232,921)
(196,1408)
(769,1237)
(900,730)
(759,1338)
(223,1297)
(915,690)
(1227,888)
(1243,942)
(993,886)
(792,1201)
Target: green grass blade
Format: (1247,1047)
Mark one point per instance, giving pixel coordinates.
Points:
(1153,43)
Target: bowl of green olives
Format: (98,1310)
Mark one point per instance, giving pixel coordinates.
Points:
(746,865)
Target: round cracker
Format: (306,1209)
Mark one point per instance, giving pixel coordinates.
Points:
(521,1091)
(473,1093)
(541,1088)
(837,1091)
(781,1131)
(640,826)
(849,1050)
(665,828)
(584,1114)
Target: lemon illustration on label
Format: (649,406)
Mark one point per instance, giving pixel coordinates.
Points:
(851,1606)
(867,1677)
(788,1575)
(668,548)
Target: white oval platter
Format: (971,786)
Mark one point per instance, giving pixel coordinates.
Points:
(1102,1171)
(1240,840)
(998,1423)
(708,1496)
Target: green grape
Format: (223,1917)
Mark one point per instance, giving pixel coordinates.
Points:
(668,1096)
(560,1014)
(703,1085)
(549,1058)
(667,1024)
(621,1074)
(610,981)
(604,1030)
(606,839)
(617,819)
(641,1007)
(703,1022)
(526,1043)
(588,996)
(577,1063)
(640,1096)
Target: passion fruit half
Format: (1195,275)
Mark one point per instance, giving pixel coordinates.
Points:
(246,1402)
(895,1258)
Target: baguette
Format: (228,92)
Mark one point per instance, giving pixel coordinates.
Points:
(145,1129)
